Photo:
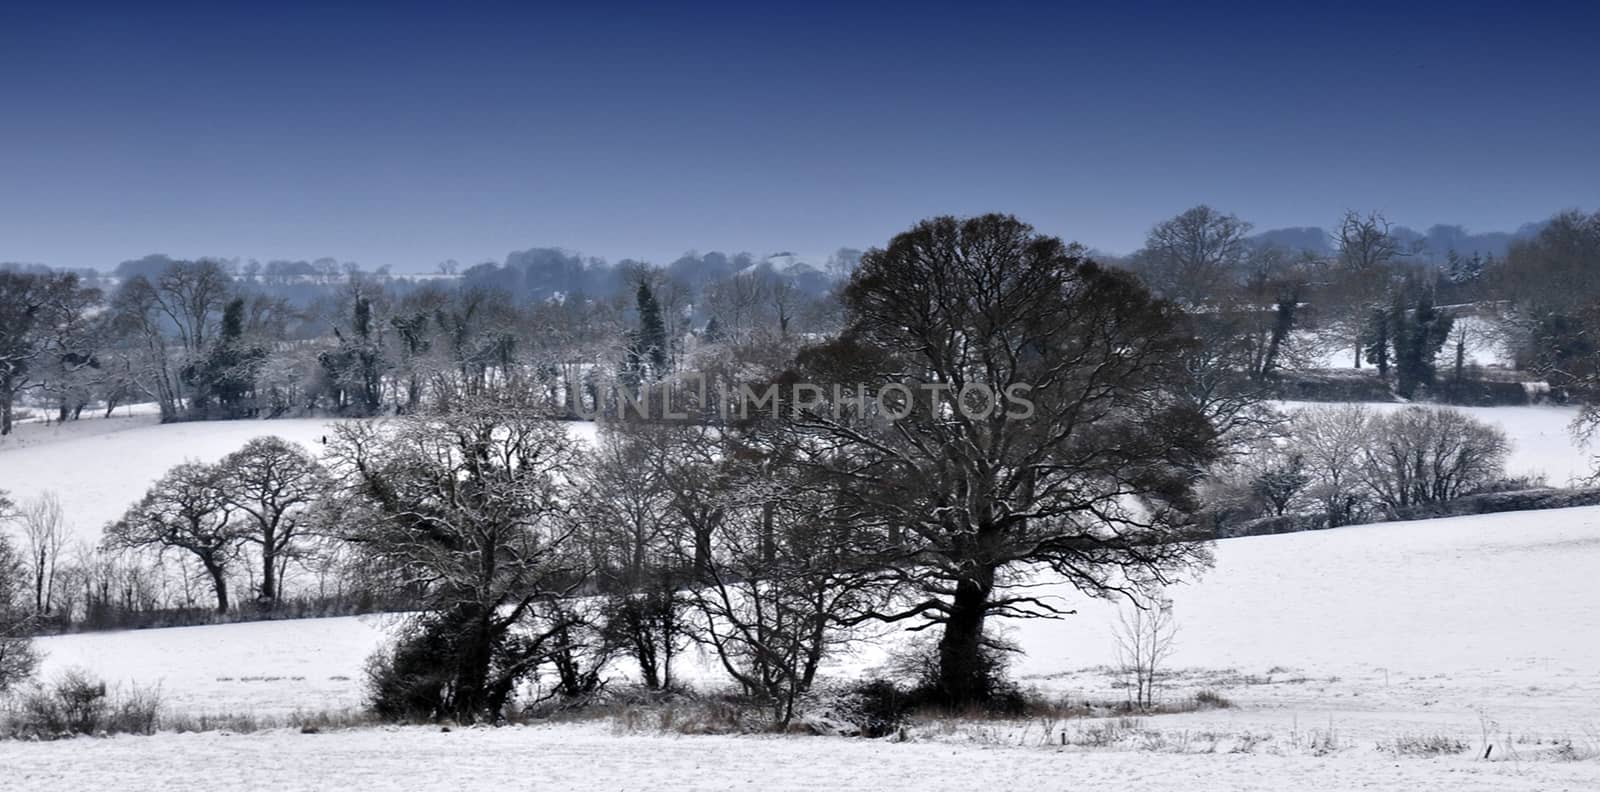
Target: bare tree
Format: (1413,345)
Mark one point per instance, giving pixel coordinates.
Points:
(1333,441)
(192,294)
(37,313)
(1366,243)
(1367,247)
(736,301)
(1419,455)
(1551,280)
(465,509)
(1196,257)
(783,587)
(272,483)
(1145,634)
(185,510)
(843,262)
(634,536)
(143,356)
(783,298)
(960,312)
(44,527)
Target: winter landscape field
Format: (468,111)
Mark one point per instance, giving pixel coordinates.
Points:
(1343,653)
(724,396)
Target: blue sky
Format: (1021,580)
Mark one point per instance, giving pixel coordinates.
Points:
(404,135)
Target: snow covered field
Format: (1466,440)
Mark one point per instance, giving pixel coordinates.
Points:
(100,466)
(1335,647)
(590,757)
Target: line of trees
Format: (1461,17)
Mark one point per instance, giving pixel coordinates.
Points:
(1369,288)
(1347,463)
(206,340)
(225,339)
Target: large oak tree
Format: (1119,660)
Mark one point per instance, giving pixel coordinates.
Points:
(1092,482)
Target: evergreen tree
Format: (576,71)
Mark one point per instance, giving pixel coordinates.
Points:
(228,373)
(353,373)
(1419,335)
(650,343)
(1379,325)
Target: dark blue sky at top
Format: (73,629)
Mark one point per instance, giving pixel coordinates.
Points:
(408,134)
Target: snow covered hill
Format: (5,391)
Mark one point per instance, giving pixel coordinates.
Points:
(1334,646)
(100,466)
(1355,624)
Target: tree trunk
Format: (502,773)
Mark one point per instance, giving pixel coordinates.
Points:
(38,585)
(702,546)
(965,675)
(269,575)
(769,541)
(219,580)
(472,673)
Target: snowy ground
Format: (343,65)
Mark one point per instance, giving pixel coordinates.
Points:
(593,758)
(1334,646)
(258,669)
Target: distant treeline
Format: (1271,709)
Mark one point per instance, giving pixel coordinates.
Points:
(228,339)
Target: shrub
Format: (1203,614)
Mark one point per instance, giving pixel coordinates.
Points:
(138,711)
(17,655)
(1424,745)
(1513,484)
(406,683)
(883,706)
(870,708)
(918,664)
(79,703)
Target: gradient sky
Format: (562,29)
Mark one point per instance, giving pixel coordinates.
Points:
(404,135)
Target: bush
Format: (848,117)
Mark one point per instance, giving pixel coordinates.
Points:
(870,708)
(882,705)
(918,664)
(82,702)
(1424,745)
(1514,484)
(138,711)
(17,655)
(407,683)
(79,703)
